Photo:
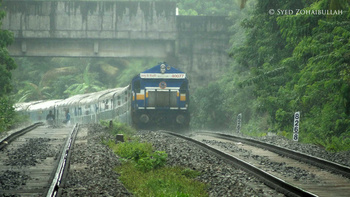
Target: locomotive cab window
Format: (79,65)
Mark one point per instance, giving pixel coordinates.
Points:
(183,87)
(137,86)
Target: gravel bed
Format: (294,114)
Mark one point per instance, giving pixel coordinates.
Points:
(296,173)
(96,175)
(97,178)
(310,149)
(11,180)
(223,179)
(30,153)
(317,151)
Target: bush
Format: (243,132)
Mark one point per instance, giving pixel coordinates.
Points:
(152,161)
(119,128)
(133,150)
(336,144)
(142,153)
(7,114)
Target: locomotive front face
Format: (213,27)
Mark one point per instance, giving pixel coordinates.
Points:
(160,97)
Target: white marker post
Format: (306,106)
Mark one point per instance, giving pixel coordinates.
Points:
(239,122)
(296,126)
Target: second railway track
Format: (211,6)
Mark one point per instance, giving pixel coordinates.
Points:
(30,161)
(292,177)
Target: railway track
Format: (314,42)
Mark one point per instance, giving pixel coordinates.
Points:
(287,175)
(33,160)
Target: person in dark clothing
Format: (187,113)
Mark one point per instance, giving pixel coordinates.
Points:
(50,118)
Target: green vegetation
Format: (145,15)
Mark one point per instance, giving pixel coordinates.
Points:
(166,181)
(58,78)
(144,171)
(119,128)
(287,63)
(7,114)
(7,64)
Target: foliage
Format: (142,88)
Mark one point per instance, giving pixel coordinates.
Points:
(190,173)
(132,150)
(206,7)
(34,92)
(208,110)
(144,172)
(7,113)
(314,75)
(120,128)
(141,153)
(86,82)
(59,78)
(287,63)
(165,181)
(152,161)
(320,89)
(7,64)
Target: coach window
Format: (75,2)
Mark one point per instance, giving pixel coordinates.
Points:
(106,105)
(118,100)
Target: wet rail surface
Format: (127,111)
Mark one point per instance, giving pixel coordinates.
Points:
(306,176)
(29,163)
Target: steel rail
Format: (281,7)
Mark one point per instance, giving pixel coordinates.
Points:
(7,140)
(270,180)
(319,162)
(62,164)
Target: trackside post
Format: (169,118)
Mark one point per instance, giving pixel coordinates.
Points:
(296,126)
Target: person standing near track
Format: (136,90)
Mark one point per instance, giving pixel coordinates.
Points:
(50,118)
(67,118)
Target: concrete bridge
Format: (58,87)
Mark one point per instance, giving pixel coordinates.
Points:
(197,44)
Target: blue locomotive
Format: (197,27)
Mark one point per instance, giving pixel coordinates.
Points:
(160,98)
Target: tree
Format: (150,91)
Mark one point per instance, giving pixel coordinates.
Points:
(32,92)
(6,62)
(6,65)
(86,83)
(320,88)
(300,63)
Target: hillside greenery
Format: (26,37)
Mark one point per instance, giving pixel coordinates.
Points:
(59,78)
(7,64)
(287,63)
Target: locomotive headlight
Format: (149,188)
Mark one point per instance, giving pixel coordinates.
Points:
(180,119)
(162,68)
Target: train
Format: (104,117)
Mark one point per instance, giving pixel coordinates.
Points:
(156,97)
(160,97)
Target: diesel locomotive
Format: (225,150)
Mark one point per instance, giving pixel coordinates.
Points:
(160,97)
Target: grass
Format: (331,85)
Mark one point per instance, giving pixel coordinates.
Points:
(119,128)
(131,149)
(144,171)
(165,181)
